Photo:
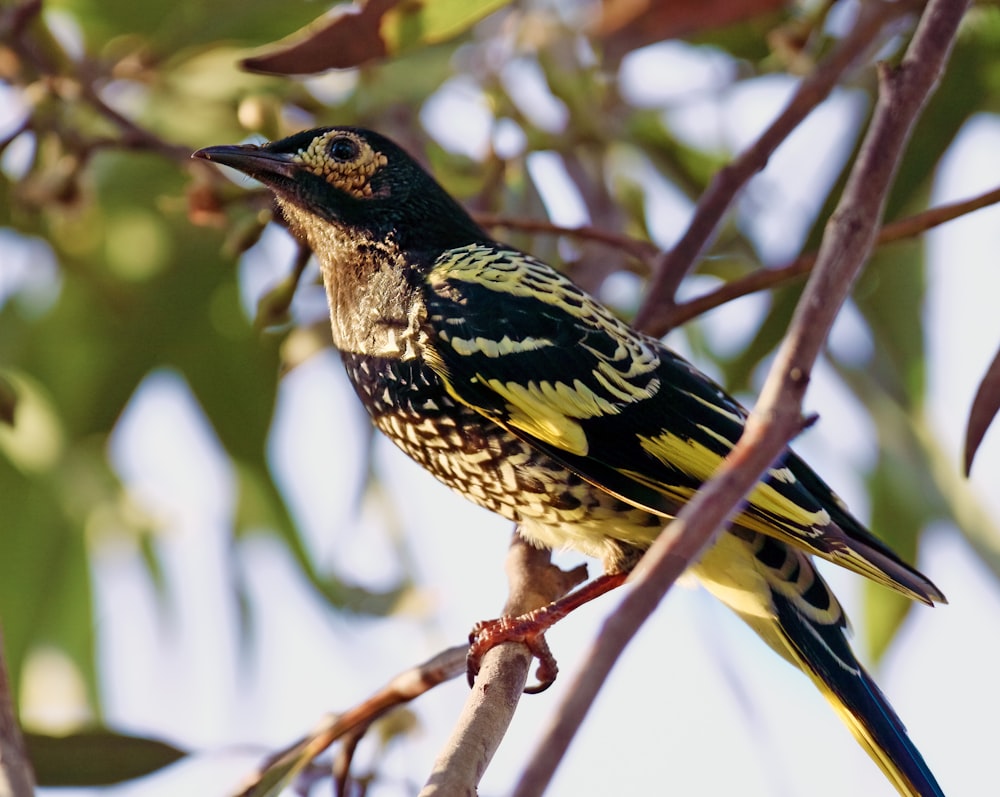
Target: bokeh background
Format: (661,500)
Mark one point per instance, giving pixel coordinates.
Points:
(202,542)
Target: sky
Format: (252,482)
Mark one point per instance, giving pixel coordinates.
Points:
(698,705)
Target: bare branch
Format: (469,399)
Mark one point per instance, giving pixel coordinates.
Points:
(79,78)
(766,278)
(759,280)
(655,313)
(284,765)
(16,776)
(639,249)
(847,242)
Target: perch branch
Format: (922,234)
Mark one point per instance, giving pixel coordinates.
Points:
(534,582)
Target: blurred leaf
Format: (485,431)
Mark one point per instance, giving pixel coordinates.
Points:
(984,410)
(687,168)
(261,507)
(96,758)
(969,80)
(739,369)
(45,593)
(905,497)
(8,401)
(352,35)
(626,25)
(168,25)
(890,294)
(899,512)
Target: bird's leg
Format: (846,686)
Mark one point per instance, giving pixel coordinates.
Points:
(529,629)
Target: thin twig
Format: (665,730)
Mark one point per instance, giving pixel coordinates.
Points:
(655,312)
(82,81)
(285,764)
(15,19)
(847,242)
(765,278)
(639,249)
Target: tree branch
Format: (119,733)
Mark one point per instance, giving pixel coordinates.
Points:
(637,248)
(765,278)
(282,767)
(16,777)
(847,242)
(655,313)
(489,709)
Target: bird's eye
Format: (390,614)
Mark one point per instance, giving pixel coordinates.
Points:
(343,149)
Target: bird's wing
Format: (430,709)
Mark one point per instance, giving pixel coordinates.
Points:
(525,347)
(776,589)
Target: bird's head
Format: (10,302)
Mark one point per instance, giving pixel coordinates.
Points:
(356,180)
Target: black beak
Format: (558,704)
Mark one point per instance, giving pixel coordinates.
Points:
(268,167)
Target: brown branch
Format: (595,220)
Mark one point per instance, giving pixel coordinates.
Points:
(134,136)
(641,250)
(16,776)
(655,312)
(847,242)
(284,765)
(534,582)
(14,19)
(765,278)
(80,80)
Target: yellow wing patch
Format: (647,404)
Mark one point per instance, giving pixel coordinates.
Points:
(547,411)
(618,375)
(700,462)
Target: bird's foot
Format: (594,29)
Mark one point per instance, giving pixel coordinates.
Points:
(528,629)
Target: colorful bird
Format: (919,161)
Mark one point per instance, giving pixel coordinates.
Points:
(519,390)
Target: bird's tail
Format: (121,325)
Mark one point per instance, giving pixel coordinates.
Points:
(823,654)
(776,589)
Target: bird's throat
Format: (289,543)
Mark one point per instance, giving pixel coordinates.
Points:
(374,311)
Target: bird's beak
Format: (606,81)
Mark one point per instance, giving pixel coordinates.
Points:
(252,161)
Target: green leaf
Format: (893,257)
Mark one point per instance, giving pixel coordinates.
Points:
(905,497)
(96,757)
(738,370)
(168,25)
(890,295)
(412,24)
(45,594)
(898,516)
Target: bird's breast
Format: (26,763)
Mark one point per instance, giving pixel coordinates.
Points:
(490,466)
(408,403)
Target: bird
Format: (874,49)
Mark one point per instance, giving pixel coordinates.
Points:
(528,396)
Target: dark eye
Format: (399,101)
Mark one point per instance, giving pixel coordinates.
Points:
(343,149)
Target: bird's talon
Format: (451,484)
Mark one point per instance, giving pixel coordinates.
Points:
(547,670)
(487,634)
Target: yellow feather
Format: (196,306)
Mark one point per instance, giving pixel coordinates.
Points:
(531,412)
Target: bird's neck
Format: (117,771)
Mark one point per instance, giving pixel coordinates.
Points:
(374,310)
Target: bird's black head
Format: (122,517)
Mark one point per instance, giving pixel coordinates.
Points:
(358,181)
